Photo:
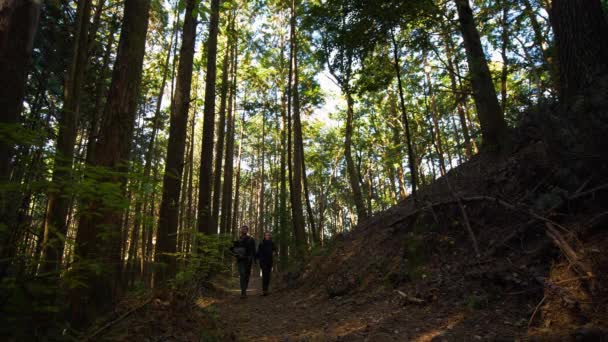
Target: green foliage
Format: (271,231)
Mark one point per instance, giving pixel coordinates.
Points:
(207,261)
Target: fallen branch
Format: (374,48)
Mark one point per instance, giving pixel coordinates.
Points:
(568,251)
(120,318)
(588,192)
(535,310)
(410,298)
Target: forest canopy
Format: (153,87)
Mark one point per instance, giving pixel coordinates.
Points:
(137,136)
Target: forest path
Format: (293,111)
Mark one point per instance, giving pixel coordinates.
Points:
(307,314)
(284,315)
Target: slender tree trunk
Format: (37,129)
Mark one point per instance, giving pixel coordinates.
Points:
(219,151)
(408,136)
(493,125)
(353,174)
(504,73)
(205,219)
(283,214)
(96,241)
(166,240)
(311,217)
(191,189)
(539,38)
(18,24)
(454,87)
(238,176)
(229,161)
(435,120)
(261,186)
(55,227)
(100,93)
(142,206)
(297,210)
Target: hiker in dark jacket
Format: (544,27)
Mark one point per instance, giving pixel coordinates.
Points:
(264,255)
(244,251)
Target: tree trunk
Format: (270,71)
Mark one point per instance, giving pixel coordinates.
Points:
(459,99)
(353,175)
(540,41)
(580,34)
(406,124)
(100,93)
(238,178)
(97,240)
(205,219)
(493,125)
(55,227)
(140,212)
(219,151)
(166,240)
(18,24)
(283,214)
(297,210)
(504,73)
(229,157)
(435,120)
(261,186)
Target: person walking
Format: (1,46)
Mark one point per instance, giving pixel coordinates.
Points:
(264,255)
(244,251)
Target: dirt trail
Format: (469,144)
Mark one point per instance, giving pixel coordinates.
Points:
(302,315)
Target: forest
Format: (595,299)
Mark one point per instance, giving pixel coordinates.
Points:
(430,170)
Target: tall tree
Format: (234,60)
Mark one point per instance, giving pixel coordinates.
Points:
(219,151)
(342,53)
(404,117)
(205,219)
(174,166)
(227,211)
(283,214)
(491,118)
(141,205)
(18,23)
(296,186)
(98,239)
(55,227)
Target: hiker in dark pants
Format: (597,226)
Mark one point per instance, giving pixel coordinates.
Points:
(264,255)
(244,251)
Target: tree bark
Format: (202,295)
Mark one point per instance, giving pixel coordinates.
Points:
(98,239)
(261,186)
(459,99)
(580,34)
(297,210)
(18,24)
(219,151)
(229,157)
(353,174)
(283,214)
(406,124)
(493,125)
(205,219)
(237,187)
(55,227)
(166,240)
(504,73)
